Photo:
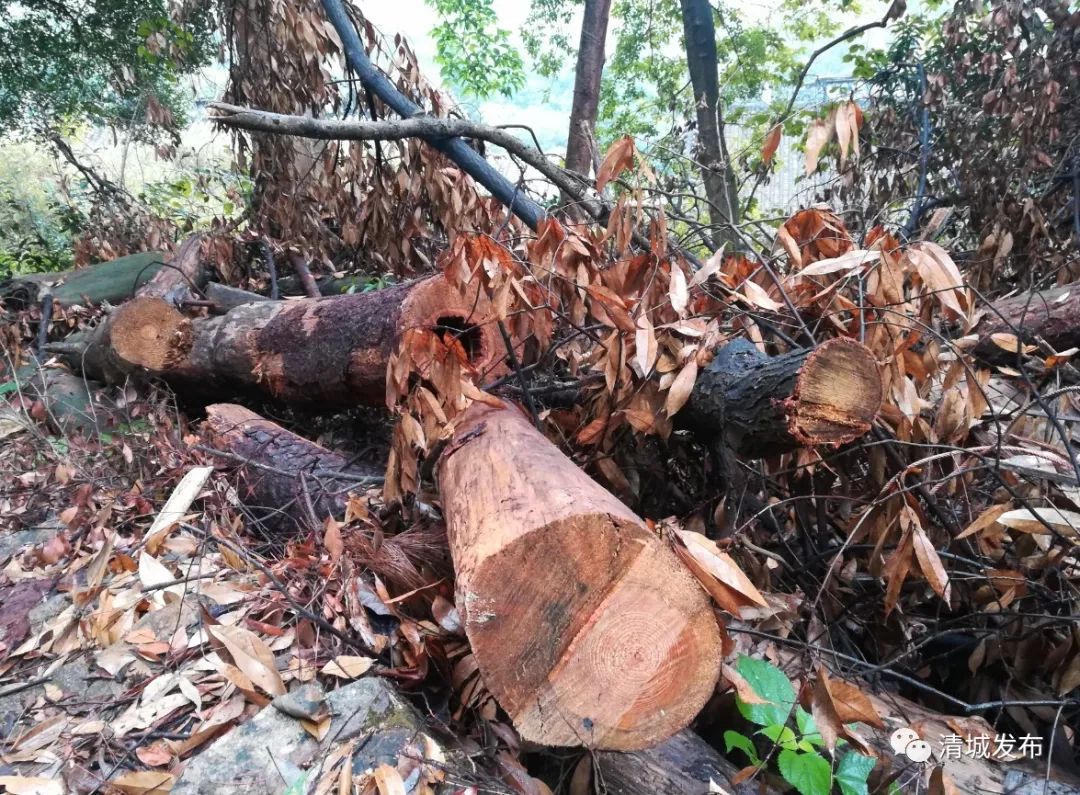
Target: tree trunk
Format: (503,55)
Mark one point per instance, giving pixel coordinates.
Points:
(717,173)
(765,405)
(586,627)
(587,76)
(333,351)
(179,279)
(290,483)
(1052,316)
(683,765)
(112,281)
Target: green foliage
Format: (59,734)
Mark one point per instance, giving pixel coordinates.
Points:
(770,683)
(35,227)
(192,199)
(476,57)
(799,759)
(852,773)
(102,62)
(809,773)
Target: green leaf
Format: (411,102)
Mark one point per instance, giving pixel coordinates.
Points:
(810,774)
(733,739)
(853,771)
(805,721)
(781,735)
(771,684)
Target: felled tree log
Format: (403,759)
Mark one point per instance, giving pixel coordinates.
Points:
(585,626)
(112,281)
(332,351)
(765,405)
(72,404)
(682,765)
(291,482)
(181,276)
(1052,315)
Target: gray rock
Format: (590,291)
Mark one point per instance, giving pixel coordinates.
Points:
(270,752)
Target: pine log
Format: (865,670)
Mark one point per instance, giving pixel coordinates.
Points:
(112,281)
(682,765)
(585,626)
(764,405)
(331,351)
(1052,316)
(178,280)
(291,483)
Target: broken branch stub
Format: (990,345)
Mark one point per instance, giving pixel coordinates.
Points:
(586,627)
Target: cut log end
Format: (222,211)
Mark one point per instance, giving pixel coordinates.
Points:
(639,652)
(837,394)
(150,333)
(468,319)
(586,628)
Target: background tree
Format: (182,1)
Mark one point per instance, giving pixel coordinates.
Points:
(974,119)
(588,72)
(105,62)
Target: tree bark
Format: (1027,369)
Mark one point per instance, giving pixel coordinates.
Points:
(587,76)
(717,173)
(332,351)
(1052,316)
(683,765)
(113,281)
(291,483)
(178,280)
(763,405)
(586,627)
(225,298)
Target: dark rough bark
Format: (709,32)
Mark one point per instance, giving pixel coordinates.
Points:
(1053,316)
(683,765)
(225,298)
(181,277)
(112,281)
(587,74)
(331,351)
(290,482)
(716,171)
(768,405)
(303,274)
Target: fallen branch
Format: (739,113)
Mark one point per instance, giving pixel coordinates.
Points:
(428,128)
(292,482)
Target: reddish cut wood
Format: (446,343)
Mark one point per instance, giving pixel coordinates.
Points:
(332,351)
(765,405)
(586,627)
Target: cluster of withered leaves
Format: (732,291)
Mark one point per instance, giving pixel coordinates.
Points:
(385,207)
(139,619)
(982,107)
